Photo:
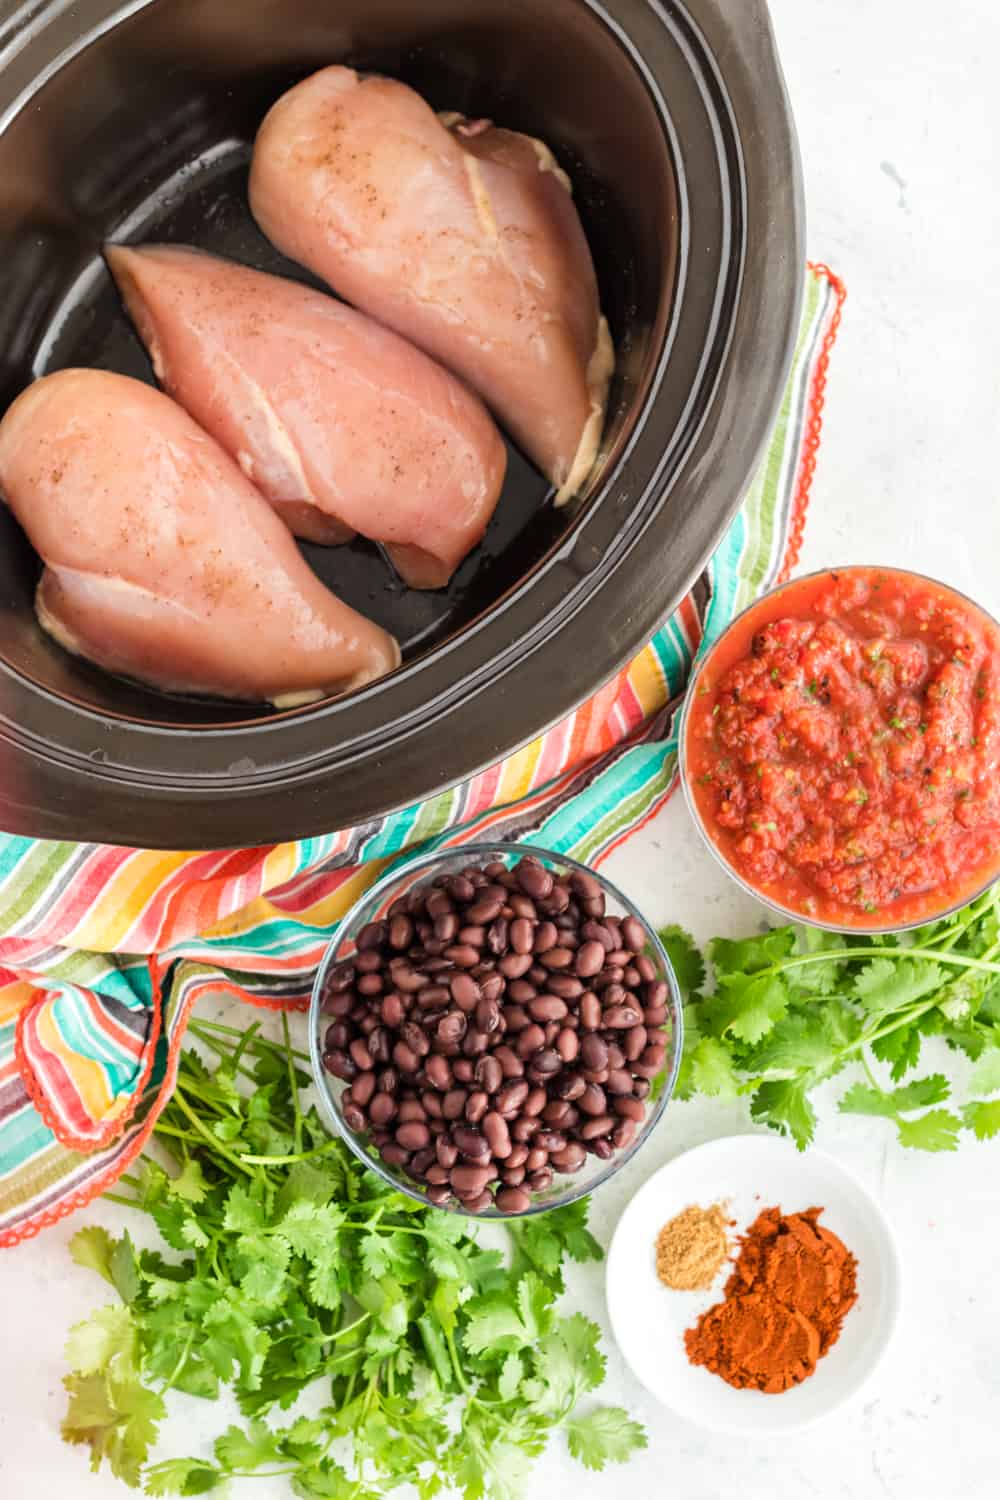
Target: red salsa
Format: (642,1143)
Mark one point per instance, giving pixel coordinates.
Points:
(842,748)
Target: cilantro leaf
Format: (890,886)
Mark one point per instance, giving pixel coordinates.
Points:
(982,1117)
(743,956)
(746,1006)
(106,1336)
(190,1183)
(900,1048)
(887,984)
(784,1105)
(511,1375)
(92,1247)
(863,1100)
(604,1436)
(711,1070)
(244,1213)
(568,1362)
(182,1476)
(248,1448)
(685,959)
(935,1131)
(985,1078)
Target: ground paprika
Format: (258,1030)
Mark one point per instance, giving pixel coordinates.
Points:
(790,1290)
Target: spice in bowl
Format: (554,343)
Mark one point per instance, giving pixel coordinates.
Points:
(691,1248)
(842,749)
(793,1284)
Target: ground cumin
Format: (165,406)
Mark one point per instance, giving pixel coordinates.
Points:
(791,1288)
(691,1248)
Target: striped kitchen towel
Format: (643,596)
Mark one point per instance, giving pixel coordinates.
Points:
(106,950)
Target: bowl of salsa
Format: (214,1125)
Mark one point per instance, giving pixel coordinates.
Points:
(840,749)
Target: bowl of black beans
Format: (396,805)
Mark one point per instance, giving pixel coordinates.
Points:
(495,1029)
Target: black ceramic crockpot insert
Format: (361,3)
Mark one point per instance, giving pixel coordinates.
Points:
(135,122)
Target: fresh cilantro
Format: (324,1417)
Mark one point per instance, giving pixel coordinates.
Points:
(982,1117)
(796,1006)
(685,960)
(604,1436)
(441,1363)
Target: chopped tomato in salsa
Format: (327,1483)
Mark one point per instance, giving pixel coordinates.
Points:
(843,748)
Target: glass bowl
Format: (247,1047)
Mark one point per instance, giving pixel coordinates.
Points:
(762,611)
(372,907)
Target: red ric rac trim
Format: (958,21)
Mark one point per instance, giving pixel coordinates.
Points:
(101,1135)
(814,425)
(97,1185)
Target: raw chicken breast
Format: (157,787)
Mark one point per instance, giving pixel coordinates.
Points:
(162,562)
(341,424)
(463,237)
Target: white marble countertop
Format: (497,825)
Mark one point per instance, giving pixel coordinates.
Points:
(897,107)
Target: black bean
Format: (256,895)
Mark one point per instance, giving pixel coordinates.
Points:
(405,1058)
(529,1041)
(620,1017)
(487,1015)
(451,1028)
(438,1071)
(497,1134)
(447,1151)
(469,1181)
(633,935)
(470,1142)
(547,1008)
(354,1117)
(571,1159)
(546,1062)
(489,1074)
(594,1052)
(601,1148)
(476,1106)
(509,1061)
(463,1069)
(592,1100)
(410,1109)
(619,1081)
(453,1104)
(363,1088)
(463,955)
(339,979)
(513,1176)
(472,937)
(413,1136)
(514,965)
(439,1195)
(511,1097)
(372,935)
(551,1140)
(533,878)
(634,1042)
(535,1103)
(567,1045)
(435,1173)
(498,936)
(590,1011)
(513,1200)
(475,1043)
(541,1180)
(340,1064)
(569,1085)
(624,1134)
(546,936)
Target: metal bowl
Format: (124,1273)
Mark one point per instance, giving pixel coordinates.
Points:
(135,120)
(372,906)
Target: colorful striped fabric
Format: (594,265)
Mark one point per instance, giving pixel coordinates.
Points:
(105,950)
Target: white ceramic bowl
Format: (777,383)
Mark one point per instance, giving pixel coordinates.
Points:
(749,1173)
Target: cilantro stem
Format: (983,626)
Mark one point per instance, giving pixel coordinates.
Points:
(291,1082)
(840,954)
(259,1044)
(178,1367)
(217,1146)
(287,1161)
